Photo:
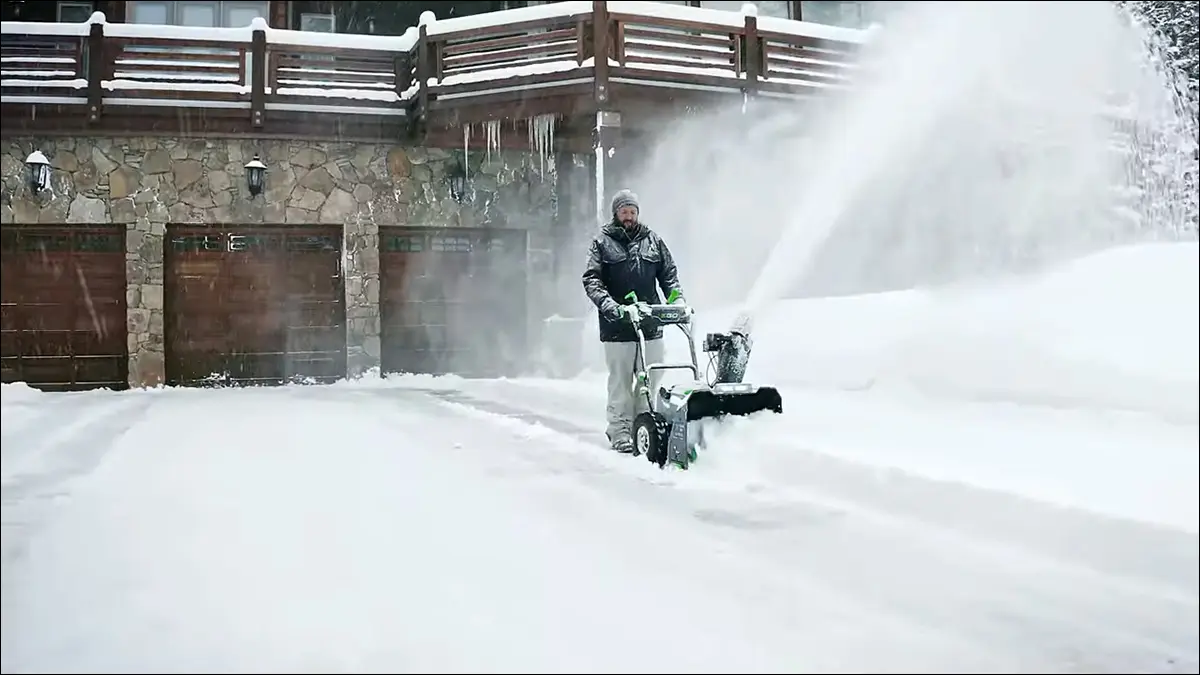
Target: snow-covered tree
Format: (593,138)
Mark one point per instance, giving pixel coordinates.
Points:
(1164,159)
(1175,27)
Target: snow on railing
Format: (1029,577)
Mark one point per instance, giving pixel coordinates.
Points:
(262,68)
(254,66)
(647,42)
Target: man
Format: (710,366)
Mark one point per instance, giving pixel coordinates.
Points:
(626,256)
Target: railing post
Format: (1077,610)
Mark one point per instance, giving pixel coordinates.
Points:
(752,55)
(601,50)
(258,77)
(425,68)
(97,55)
(402,69)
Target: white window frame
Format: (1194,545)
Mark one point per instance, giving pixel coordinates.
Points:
(736,6)
(221,8)
(330,17)
(86,6)
(857,7)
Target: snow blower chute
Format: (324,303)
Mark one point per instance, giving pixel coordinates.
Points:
(662,434)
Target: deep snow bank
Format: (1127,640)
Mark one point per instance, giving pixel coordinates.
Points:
(17,392)
(1115,330)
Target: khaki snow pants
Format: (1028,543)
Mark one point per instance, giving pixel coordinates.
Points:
(624,403)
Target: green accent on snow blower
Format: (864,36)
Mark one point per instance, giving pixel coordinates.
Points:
(674,296)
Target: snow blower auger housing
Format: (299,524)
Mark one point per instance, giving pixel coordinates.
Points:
(662,434)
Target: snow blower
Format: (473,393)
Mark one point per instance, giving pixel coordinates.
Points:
(662,433)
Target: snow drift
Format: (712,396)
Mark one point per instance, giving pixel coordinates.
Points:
(1114,330)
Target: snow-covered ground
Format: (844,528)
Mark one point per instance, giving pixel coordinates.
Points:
(985,480)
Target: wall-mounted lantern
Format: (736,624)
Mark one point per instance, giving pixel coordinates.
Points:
(38,168)
(256,176)
(457,178)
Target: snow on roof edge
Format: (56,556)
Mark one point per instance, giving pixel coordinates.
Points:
(508,16)
(243,34)
(434,27)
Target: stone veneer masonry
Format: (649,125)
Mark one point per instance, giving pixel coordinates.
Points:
(147,183)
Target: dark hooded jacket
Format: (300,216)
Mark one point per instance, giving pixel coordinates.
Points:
(620,262)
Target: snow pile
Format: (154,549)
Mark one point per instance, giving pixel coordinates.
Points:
(374,379)
(17,392)
(1116,330)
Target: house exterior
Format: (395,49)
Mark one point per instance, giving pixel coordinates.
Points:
(230,190)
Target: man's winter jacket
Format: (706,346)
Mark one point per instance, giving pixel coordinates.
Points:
(620,262)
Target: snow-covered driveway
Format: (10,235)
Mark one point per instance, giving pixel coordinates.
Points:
(402,528)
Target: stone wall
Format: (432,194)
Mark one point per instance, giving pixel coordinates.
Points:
(148,183)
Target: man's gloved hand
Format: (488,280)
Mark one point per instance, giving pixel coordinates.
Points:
(635,311)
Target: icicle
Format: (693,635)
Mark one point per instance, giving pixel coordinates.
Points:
(466,145)
(491,130)
(531,130)
(550,124)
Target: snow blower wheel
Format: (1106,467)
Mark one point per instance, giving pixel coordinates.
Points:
(648,438)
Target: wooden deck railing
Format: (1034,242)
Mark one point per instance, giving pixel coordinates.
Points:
(103,66)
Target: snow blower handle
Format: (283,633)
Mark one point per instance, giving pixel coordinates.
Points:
(668,314)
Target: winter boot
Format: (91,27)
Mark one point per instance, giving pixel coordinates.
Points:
(622,444)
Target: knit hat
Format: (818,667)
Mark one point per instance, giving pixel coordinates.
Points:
(624,198)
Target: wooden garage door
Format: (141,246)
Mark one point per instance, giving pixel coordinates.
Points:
(254,305)
(453,301)
(62,302)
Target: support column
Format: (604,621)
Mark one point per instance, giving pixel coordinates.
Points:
(606,137)
(360,273)
(144,303)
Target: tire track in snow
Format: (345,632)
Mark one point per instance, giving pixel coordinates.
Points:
(40,466)
(1028,594)
(773,457)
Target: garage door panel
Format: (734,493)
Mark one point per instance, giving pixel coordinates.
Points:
(243,296)
(258,366)
(269,309)
(419,313)
(316,364)
(105,341)
(314,339)
(46,316)
(39,274)
(67,317)
(47,370)
(195,366)
(197,344)
(316,288)
(419,337)
(255,332)
(11,317)
(47,292)
(10,342)
(100,315)
(67,342)
(315,314)
(99,369)
(449,297)
(108,283)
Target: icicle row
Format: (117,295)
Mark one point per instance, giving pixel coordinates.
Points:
(541,139)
